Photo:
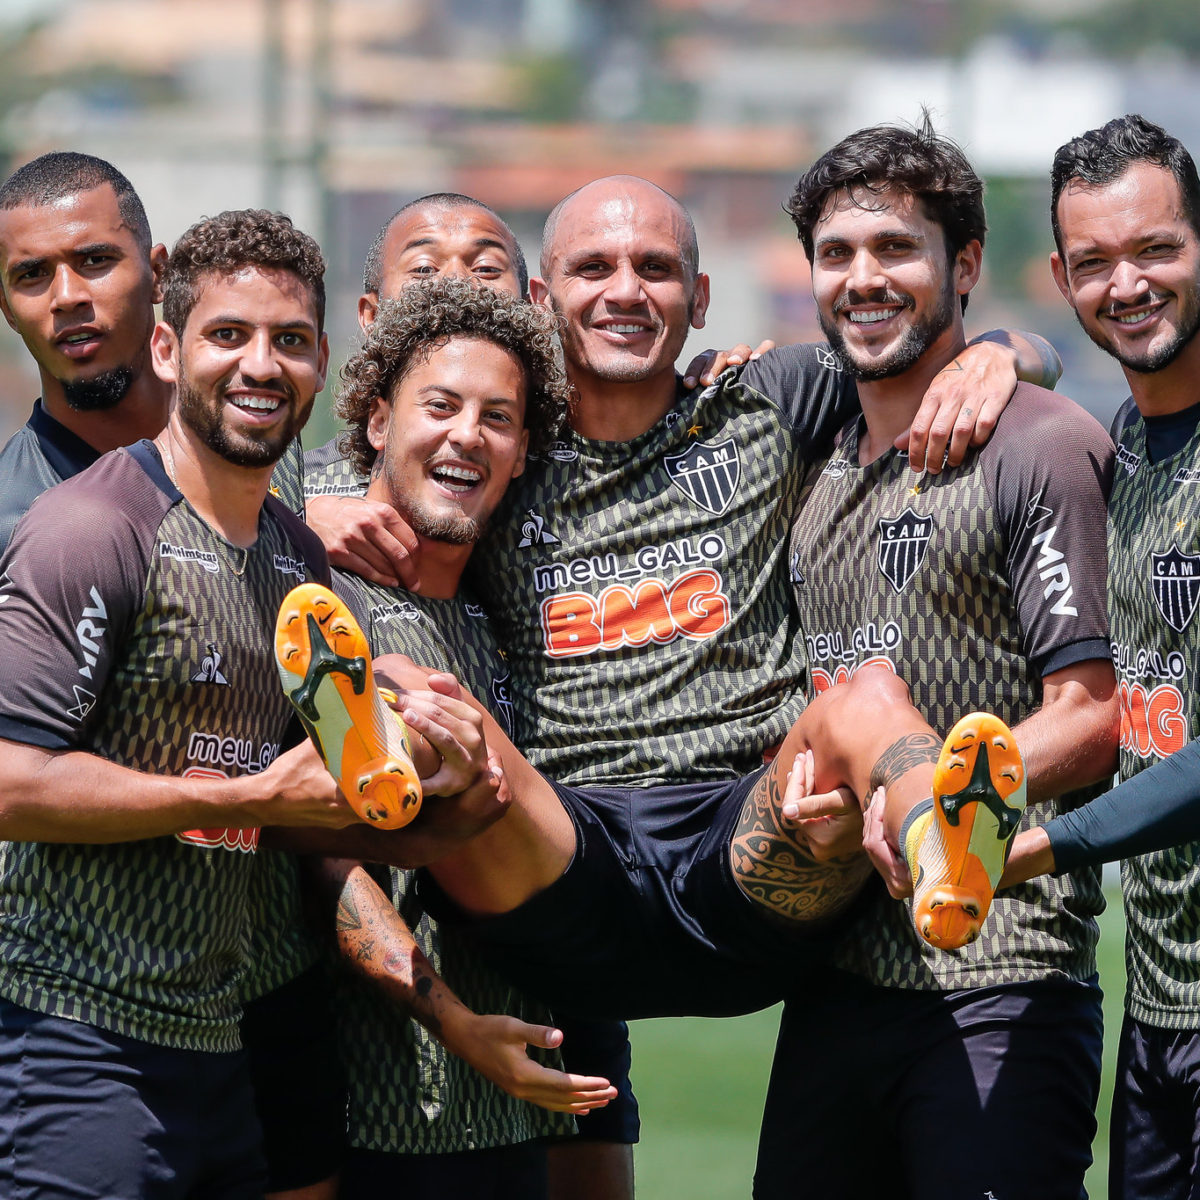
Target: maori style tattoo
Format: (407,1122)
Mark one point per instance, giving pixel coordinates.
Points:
(912,750)
(774,870)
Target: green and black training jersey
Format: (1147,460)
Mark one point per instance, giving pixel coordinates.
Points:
(408,1094)
(131,630)
(1153,597)
(641,590)
(972,585)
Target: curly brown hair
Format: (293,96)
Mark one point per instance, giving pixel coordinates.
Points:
(422,319)
(230,241)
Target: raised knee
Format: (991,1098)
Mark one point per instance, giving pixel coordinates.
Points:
(877,687)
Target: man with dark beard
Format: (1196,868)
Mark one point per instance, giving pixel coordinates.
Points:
(141,720)
(79,279)
(982,587)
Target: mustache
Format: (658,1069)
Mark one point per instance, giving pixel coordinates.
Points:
(882,296)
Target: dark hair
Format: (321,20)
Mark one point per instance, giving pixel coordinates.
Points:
(422,319)
(1101,156)
(66,173)
(230,241)
(918,161)
(373,266)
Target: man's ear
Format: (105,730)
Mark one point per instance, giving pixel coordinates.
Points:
(700,298)
(164,352)
(378,422)
(1058,269)
(158,265)
(539,293)
(368,309)
(968,264)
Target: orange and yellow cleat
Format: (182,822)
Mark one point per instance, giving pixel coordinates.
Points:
(957,846)
(325,665)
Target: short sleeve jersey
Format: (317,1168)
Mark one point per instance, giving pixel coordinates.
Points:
(40,454)
(287,480)
(132,631)
(1153,597)
(971,584)
(408,1094)
(328,473)
(641,588)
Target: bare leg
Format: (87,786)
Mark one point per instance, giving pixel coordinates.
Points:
(591,1171)
(521,854)
(863,734)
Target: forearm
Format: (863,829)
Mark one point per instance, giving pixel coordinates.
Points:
(1036,360)
(71,796)
(1071,741)
(1158,808)
(376,943)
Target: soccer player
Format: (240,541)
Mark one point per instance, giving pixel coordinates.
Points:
(133,599)
(448,234)
(79,279)
(1125,210)
(454,383)
(982,587)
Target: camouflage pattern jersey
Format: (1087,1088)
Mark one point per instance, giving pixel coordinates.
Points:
(972,585)
(134,632)
(408,1094)
(641,588)
(1153,596)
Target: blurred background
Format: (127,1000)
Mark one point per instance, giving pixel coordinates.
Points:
(340,111)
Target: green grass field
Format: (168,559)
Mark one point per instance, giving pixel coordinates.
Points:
(701,1084)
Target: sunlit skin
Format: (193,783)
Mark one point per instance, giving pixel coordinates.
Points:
(432,240)
(887,294)
(450,438)
(80,292)
(615,271)
(247,367)
(1130,268)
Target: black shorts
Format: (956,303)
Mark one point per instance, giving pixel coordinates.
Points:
(299,1085)
(602,1048)
(933,1095)
(1155,1129)
(648,920)
(92,1114)
(499,1173)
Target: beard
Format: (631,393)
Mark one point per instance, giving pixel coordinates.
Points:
(101,393)
(907,352)
(450,528)
(1152,361)
(204,417)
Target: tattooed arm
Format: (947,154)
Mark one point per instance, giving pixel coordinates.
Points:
(375,941)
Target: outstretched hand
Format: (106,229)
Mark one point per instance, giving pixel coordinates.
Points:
(497,1047)
(708,364)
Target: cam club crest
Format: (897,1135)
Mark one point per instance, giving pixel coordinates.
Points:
(502,703)
(1175,579)
(707,474)
(902,545)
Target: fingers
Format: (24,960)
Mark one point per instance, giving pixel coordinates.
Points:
(705,367)
(367,537)
(455,730)
(885,857)
(801,804)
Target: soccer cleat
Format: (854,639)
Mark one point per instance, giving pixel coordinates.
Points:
(325,666)
(957,842)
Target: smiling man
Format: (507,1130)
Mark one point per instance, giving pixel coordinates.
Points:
(1125,209)
(134,595)
(983,588)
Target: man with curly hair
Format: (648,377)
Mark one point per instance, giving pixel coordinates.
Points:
(142,724)
(453,387)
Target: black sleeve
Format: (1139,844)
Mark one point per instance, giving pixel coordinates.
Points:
(1050,467)
(807,383)
(72,583)
(1158,808)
